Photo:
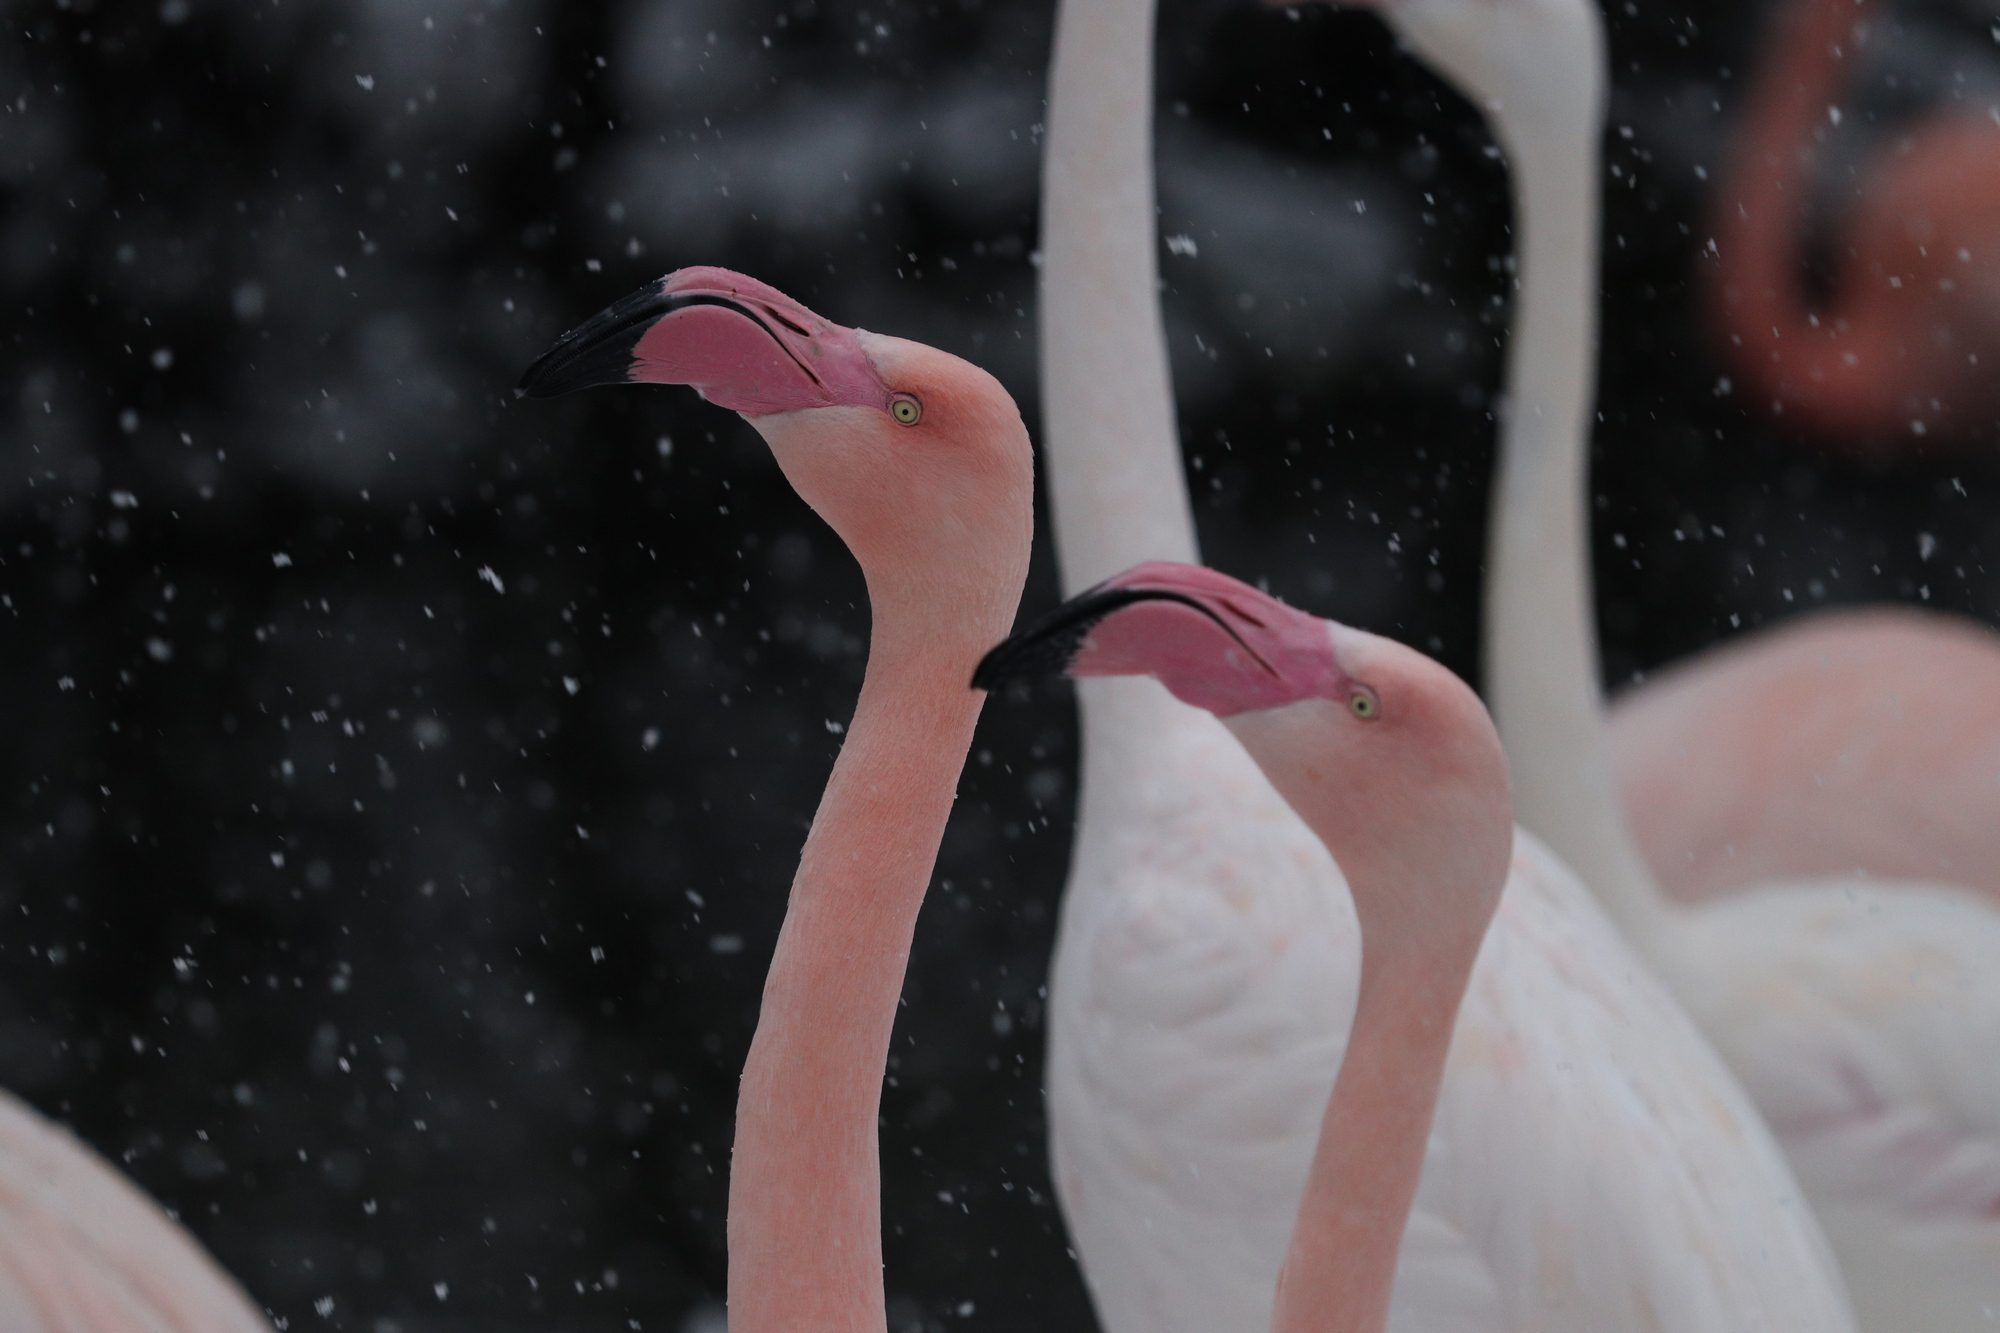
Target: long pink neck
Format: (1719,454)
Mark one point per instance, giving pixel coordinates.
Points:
(1821,365)
(1341,1266)
(805,1226)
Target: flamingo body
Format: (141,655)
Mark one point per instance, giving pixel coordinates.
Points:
(1591,1165)
(1851,743)
(1863,1021)
(84,1251)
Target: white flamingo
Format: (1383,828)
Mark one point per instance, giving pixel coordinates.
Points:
(1592,1165)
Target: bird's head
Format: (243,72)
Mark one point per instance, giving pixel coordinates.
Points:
(1366,738)
(916,458)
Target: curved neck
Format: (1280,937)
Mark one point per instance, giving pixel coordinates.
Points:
(1814,363)
(1117,493)
(1540,624)
(805,1227)
(1340,1267)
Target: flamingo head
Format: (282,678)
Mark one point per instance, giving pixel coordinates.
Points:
(919,460)
(1537,67)
(1366,738)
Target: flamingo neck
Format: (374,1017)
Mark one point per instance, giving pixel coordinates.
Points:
(1341,1265)
(1116,487)
(1115,477)
(805,1227)
(1819,364)
(1540,624)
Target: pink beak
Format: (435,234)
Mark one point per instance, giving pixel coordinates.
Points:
(737,342)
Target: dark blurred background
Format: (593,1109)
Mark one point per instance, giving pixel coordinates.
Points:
(402,782)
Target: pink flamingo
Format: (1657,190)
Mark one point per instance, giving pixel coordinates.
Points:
(84,1251)
(920,463)
(1840,742)
(1393,763)
(1905,338)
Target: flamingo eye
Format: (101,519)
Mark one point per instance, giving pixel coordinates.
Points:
(906,409)
(1363,704)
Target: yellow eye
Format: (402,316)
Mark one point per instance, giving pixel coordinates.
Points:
(907,410)
(1363,704)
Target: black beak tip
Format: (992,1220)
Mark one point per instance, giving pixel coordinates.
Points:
(569,366)
(530,385)
(1049,647)
(1029,655)
(991,672)
(599,350)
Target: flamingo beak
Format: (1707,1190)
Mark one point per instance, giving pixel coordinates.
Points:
(739,343)
(1047,647)
(1059,644)
(1213,642)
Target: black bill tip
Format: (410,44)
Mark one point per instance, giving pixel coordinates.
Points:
(1050,645)
(599,350)
(1025,656)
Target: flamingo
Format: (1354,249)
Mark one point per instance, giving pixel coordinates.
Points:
(1393,763)
(1905,339)
(1395,766)
(1206,964)
(1860,1018)
(82,1250)
(1854,741)
(920,463)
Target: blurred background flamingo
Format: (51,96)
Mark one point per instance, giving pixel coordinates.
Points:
(1857,741)
(1903,338)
